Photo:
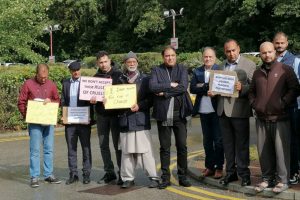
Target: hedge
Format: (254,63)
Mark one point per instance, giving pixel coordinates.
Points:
(11,79)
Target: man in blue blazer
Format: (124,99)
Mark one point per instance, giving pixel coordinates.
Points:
(281,43)
(206,106)
(73,132)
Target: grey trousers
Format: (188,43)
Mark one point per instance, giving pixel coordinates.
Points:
(273,144)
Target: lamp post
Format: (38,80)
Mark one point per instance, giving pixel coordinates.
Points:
(173,14)
(49,29)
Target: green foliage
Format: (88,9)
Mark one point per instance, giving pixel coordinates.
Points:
(11,80)
(21,25)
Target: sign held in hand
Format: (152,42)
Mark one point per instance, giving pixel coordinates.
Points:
(93,86)
(120,96)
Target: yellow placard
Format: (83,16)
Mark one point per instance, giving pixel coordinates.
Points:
(120,96)
(38,113)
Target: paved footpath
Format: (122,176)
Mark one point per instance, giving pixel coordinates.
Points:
(196,166)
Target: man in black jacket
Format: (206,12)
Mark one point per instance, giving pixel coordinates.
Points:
(70,98)
(171,106)
(107,120)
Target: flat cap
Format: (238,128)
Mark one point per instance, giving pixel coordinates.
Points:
(74,66)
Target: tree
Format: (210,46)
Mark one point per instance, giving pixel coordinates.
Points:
(21,25)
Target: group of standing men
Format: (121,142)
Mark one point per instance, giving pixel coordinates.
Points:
(165,90)
(270,91)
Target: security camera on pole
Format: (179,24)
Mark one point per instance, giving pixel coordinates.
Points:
(50,29)
(173,14)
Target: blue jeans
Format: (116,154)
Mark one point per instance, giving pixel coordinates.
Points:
(37,134)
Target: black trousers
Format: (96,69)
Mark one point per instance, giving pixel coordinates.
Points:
(105,124)
(180,133)
(235,132)
(294,115)
(212,141)
(72,133)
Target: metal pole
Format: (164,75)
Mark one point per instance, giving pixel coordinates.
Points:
(173,26)
(51,50)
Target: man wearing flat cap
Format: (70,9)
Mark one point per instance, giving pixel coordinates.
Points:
(135,136)
(73,132)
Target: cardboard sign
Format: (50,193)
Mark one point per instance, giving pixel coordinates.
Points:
(223,83)
(38,113)
(120,96)
(76,115)
(93,86)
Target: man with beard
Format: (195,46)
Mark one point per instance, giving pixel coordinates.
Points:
(273,89)
(280,42)
(135,136)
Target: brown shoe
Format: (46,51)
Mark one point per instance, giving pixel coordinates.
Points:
(218,174)
(207,172)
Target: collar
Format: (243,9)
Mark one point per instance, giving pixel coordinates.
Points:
(76,80)
(234,63)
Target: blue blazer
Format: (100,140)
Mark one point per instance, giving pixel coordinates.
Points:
(288,59)
(198,77)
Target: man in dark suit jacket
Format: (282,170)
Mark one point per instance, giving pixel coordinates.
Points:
(171,106)
(70,98)
(206,106)
(234,116)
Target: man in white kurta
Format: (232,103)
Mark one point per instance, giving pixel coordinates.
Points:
(135,137)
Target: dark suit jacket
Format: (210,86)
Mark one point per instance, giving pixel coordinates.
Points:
(65,98)
(198,77)
(160,82)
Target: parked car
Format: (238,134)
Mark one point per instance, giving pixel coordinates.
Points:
(68,62)
(256,54)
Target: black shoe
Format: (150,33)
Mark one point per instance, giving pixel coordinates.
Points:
(107,178)
(34,182)
(120,182)
(164,184)
(154,183)
(72,179)
(228,178)
(127,184)
(246,181)
(86,180)
(185,183)
(51,179)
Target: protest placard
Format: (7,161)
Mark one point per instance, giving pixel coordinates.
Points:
(76,115)
(120,96)
(223,83)
(93,86)
(40,113)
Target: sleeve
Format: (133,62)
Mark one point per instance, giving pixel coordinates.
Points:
(182,85)
(23,98)
(252,93)
(198,90)
(55,95)
(154,84)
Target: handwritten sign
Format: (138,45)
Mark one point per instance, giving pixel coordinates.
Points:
(223,83)
(120,96)
(76,115)
(38,113)
(93,86)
